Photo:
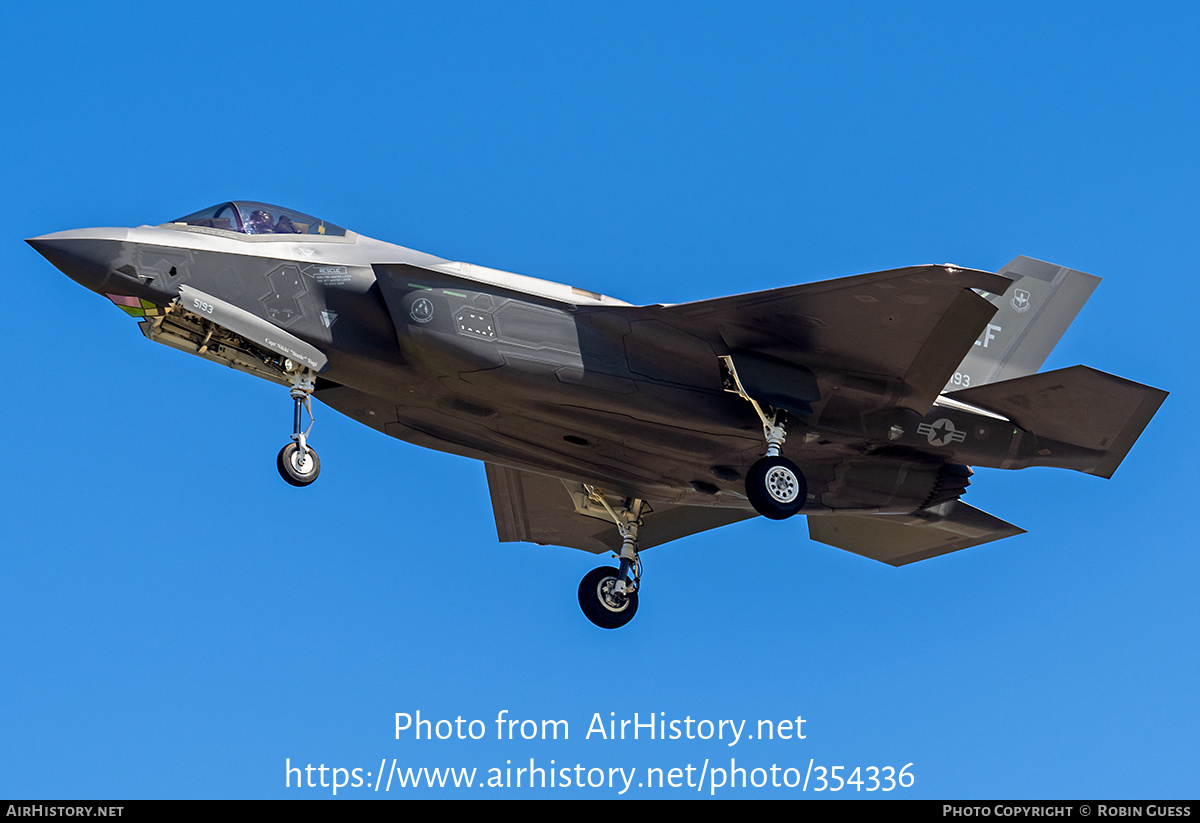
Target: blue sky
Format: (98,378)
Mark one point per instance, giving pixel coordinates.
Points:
(175,621)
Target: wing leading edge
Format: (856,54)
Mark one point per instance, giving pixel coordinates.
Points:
(909,326)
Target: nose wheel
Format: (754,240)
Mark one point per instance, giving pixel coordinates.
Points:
(297,462)
(298,467)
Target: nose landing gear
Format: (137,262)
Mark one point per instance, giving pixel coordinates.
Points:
(297,462)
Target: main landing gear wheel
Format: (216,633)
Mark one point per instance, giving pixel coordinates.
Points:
(776,488)
(297,467)
(601,604)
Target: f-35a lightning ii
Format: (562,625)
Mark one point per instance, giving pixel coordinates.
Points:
(606,426)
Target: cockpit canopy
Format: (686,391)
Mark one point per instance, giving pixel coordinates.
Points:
(248,217)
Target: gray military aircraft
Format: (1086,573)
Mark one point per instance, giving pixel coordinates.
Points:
(606,426)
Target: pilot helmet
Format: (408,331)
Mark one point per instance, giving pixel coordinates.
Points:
(260,222)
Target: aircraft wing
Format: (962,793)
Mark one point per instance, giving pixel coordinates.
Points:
(535,508)
(900,539)
(911,325)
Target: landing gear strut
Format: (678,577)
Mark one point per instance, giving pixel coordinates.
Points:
(775,486)
(608,596)
(297,462)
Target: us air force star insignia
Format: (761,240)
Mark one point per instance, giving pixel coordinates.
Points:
(422,310)
(941,432)
(1020,300)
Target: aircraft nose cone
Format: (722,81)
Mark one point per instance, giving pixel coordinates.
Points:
(85,258)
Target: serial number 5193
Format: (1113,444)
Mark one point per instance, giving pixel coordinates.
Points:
(200,305)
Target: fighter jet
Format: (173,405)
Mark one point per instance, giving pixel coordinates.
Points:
(861,402)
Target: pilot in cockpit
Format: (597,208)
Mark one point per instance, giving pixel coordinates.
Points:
(260,223)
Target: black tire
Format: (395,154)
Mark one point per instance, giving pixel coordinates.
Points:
(776,488)
(294,469)
(606,613)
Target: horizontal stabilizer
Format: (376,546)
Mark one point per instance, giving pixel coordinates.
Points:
(1079,406)
(900,539)
(536,508)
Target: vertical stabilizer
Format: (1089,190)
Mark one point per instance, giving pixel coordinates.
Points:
(1031,316)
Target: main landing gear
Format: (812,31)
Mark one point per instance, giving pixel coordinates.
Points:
(608,596)
(297,462)
(775,486)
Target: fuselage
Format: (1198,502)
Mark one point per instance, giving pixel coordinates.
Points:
(523,372)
